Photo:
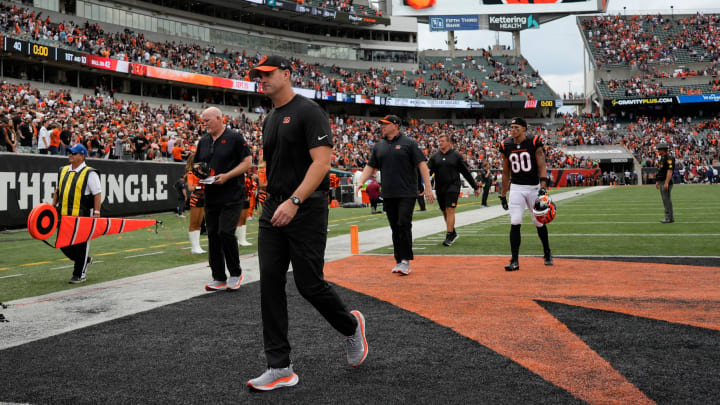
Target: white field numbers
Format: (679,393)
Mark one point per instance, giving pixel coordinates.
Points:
(520,162)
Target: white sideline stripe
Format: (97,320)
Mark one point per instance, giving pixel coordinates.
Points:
(620,223)
(14,275)
(145,254)
(40,317)
(61,267)
(585,235)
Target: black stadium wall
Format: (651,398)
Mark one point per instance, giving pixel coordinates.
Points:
(128,187)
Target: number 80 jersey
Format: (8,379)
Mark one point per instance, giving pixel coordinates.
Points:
(521,157)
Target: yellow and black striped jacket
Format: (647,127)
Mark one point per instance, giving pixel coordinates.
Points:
(71,186)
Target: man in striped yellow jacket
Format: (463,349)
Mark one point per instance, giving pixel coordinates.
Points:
(78,194)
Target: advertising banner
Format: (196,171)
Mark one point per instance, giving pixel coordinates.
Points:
(639,101)
(178,76)
(416,8)
(426,103)
(699,98)
(455,23)
(128,187)
(512,22)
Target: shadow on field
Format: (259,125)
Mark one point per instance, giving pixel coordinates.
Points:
(205,349)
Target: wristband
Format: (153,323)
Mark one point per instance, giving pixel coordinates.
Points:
(545,179)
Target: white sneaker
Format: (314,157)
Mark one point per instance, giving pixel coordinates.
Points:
(403,268)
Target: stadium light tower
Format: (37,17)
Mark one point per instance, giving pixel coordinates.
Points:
(672,12)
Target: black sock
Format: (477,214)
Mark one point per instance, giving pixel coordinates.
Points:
(543,234)
(515,241)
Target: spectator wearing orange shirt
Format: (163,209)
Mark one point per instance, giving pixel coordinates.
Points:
(177,152)
(55,141)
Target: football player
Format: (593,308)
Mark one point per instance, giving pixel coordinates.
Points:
(525,177)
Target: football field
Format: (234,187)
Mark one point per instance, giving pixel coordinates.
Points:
(629,313)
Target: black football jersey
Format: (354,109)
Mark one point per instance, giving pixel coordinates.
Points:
(521,156)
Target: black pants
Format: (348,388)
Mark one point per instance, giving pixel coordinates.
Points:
(421,202)
(374,203)
(302,243)
(181,206)
(78,254)
(222,245)
(486,191)
(399,213)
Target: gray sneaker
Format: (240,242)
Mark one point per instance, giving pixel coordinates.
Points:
(396,269)
(233,283)
(357,348)
(216,285)
(274,378)
(403,268)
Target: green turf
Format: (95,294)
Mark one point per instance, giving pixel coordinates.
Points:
(620,221)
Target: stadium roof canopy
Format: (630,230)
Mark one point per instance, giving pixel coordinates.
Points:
(601,153)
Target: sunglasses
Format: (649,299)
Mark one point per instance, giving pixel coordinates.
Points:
(75,153)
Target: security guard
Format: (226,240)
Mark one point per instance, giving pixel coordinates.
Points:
(78,194)
(663,180)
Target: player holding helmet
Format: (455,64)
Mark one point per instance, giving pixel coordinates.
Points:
(524,168)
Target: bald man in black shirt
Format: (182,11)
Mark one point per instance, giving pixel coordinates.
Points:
(226,153)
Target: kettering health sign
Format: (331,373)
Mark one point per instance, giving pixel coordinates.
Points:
(455,23)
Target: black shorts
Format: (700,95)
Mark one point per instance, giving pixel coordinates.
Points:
(197,199)
(447,199)
(246,204)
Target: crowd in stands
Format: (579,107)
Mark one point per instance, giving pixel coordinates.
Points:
(643,43)
(134,47)
(468,79)
(639,40)
(116,129)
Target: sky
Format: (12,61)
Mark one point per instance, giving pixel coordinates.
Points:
(560,65)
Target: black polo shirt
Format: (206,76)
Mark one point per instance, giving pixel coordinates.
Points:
(223,155)
(289,132)
(397,160)
(447,168)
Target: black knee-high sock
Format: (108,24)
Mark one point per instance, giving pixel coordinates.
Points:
(514,241)
(543,234)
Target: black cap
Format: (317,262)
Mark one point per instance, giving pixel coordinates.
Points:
(518,121)
(662,146)
(390,119)
(270,63)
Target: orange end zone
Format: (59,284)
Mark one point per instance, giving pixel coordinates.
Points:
(475,297)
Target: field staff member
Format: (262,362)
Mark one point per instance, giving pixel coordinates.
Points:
(448,164)
(297,147)
(663,180)
(228,156)
(398,157)
(523,167)
(78,194)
